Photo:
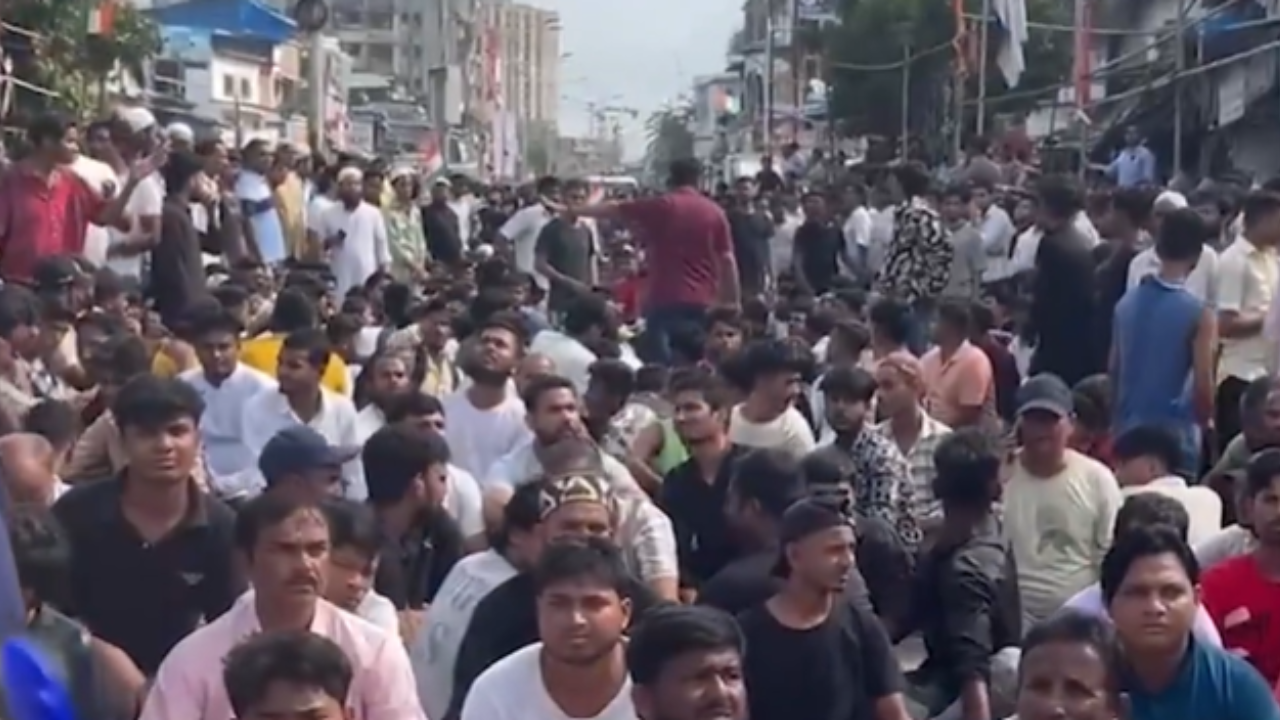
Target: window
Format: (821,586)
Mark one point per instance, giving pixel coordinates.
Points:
(246,89)
(228,87)
(167,78)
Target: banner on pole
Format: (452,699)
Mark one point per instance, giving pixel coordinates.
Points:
(817,10)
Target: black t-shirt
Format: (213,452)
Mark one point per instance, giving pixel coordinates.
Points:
(704,541)
(818,245)
(1113,282)
(444,236)
(769,180)
(568,249)
(751,233)
(177,265)
(411,569)
(834,671)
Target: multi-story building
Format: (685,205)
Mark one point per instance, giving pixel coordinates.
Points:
(385,38)
(238,65)
(529,59)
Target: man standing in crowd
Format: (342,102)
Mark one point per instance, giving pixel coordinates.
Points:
(45,208)
(1135,164)
(1063,312)
(1249,275)
(750,228)
(918,264)
(689,243)
(820,250)
(1163,336)
(565,252)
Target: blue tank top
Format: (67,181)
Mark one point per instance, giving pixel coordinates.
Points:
(1155,325)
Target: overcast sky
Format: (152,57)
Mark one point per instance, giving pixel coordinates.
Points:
(637,53)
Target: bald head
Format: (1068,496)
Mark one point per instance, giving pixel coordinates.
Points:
(531,366)
(27,461)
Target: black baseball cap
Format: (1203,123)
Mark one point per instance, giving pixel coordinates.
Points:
(804,518)
(297,450)
(1047,393)
(55,272)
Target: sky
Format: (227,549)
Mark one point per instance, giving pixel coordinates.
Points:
(639,54)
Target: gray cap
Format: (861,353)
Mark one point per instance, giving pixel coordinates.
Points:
(1048,393)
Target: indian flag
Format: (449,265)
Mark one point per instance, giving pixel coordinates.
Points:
(102,17)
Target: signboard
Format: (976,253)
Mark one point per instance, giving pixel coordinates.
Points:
(817,10)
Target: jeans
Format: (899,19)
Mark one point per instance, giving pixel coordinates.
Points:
(673,334)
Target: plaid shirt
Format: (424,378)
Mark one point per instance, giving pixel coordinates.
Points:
(920,459)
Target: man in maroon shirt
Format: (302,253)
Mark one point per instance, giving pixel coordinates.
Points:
(689,258)
(45,208)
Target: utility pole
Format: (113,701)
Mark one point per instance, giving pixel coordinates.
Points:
(767,85)
(906,97)
(1180,58)
(312,16)
(984,39)
(319,89)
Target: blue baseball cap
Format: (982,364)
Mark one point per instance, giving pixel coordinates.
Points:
(299,449)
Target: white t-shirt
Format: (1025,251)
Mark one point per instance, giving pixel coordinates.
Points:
(316,209)
(513,689)
(789,432)
(857,229)
(522,230)
(434,651)
(478,438)
(1223,545)
(364,247)
(99,176)
(1059,528)
(145,201)
(782,246)
(380,611)
(570,358)
(1203,505)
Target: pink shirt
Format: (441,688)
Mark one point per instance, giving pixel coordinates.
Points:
(964,380)
(189,683)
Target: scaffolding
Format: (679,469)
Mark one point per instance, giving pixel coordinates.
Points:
(1109,69)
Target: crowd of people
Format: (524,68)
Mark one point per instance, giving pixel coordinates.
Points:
(285,437)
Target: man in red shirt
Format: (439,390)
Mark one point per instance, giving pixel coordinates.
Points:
(689,262)
(45,208)
(1242,595)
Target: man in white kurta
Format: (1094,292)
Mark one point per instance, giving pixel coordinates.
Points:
(354,234)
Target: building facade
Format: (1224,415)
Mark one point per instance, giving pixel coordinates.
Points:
(384,38)
(529,59)
(238,66)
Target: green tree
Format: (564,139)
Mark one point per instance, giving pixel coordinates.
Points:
(882,32)
(669,137)
(67,60)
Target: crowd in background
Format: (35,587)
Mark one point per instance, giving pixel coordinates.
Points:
(286,436)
